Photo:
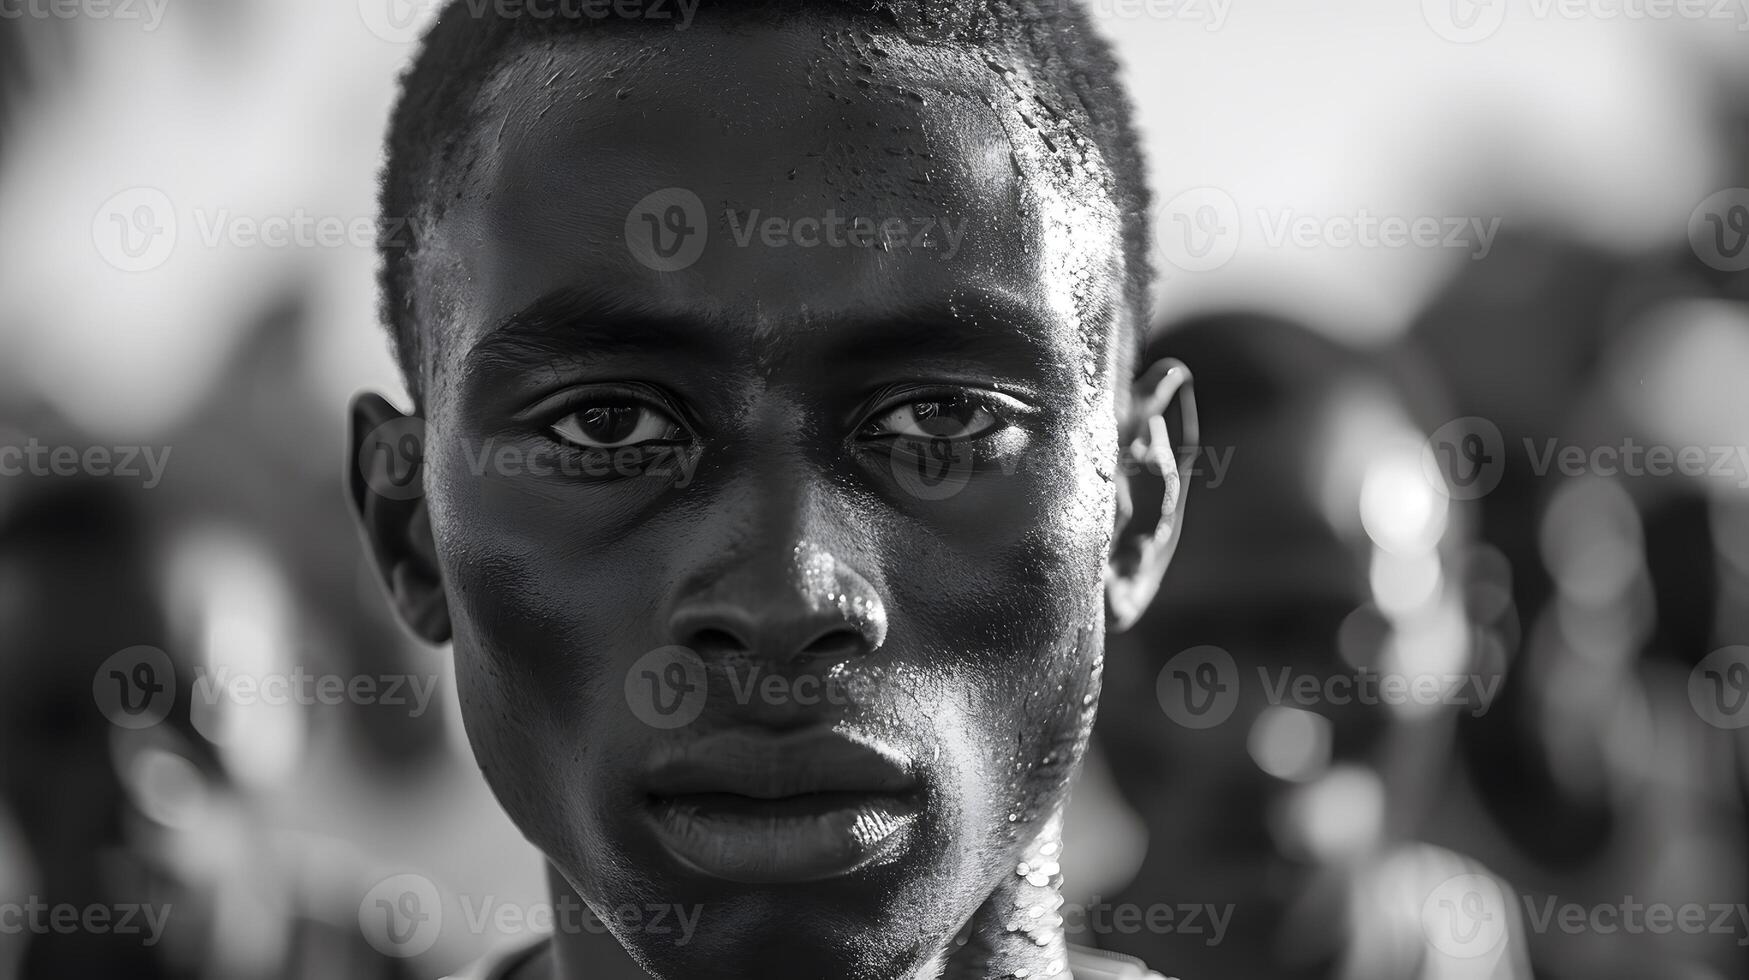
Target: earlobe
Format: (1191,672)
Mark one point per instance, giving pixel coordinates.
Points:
(1151,490)
(385,481)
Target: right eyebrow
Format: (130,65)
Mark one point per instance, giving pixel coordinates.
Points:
(576,321)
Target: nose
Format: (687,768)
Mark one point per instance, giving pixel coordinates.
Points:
(802,608)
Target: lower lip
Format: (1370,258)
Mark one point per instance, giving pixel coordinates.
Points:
(791,840)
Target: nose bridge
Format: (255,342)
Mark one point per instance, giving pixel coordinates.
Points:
(785,588)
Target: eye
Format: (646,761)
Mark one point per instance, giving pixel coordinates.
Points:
(954,418)
(612,425)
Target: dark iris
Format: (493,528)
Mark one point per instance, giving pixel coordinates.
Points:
(946,416)
(609,423)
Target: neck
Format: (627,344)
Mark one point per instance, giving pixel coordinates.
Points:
(1018,931)
(589,953)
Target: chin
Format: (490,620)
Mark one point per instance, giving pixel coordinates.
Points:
(876,923)
(788,937)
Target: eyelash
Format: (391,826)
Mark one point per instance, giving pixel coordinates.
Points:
(978,401)
(556,412)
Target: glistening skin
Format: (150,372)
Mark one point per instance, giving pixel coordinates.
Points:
(833,837)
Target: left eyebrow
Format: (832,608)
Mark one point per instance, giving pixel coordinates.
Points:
(976,326)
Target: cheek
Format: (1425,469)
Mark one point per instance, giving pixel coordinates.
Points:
(541,590)
(1013,624)
(1048,702)
(1016,562)
(541,606)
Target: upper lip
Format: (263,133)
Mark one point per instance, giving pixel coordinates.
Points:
(771,766)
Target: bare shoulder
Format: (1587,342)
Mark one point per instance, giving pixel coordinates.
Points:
(1092,964)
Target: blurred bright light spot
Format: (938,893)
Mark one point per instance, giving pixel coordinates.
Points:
(1338,816)
(1432,646)
(1404,583)
(1679,376)
(1290,743)
(1400,511)
(242,605)
(1603,634)
(1590,539)
(1432,642)
(167,788)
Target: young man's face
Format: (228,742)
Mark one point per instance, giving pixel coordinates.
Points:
(814,659)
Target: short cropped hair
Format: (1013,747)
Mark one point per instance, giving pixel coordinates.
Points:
(1055,39)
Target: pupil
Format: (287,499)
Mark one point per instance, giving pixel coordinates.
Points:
(608,423)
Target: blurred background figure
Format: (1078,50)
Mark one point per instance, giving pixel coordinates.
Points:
(255,826)
(1605,767)
(1266,717)
(1411,465)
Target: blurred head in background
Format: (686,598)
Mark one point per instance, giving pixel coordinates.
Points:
(1280,716)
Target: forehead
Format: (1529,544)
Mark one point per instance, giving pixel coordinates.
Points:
(773,181)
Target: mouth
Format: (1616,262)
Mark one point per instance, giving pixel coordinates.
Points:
(769,809)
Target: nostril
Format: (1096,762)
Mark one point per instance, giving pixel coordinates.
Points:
(835,644)
(712,640)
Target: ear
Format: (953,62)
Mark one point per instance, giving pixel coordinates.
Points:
(386,481)
(1152,485)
